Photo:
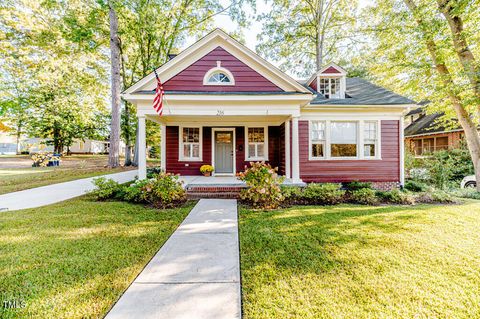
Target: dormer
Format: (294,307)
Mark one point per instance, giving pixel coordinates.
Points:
(330,81)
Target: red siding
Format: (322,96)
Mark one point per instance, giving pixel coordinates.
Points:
(186,168)
(385,170)
(313,85)
(246,79)
(173,165)
(331,70)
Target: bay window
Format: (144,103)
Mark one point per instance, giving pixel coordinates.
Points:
(318,139)
(190,144)
(345,139)
(256,143)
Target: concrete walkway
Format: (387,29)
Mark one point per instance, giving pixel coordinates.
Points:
(50,194)
(195,275)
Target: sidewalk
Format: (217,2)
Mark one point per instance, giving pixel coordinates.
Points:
(50,194)
(195,275)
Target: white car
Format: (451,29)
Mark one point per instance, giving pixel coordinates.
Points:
(468,181)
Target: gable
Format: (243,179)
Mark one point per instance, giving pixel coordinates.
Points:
(237,54)
(331,69)
(246,78)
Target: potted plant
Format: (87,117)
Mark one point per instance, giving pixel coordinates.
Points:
(206,170)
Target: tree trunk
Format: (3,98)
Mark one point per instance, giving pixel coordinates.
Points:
(19,135)
(319,36)
(113,155)
(464,54)
(469,127)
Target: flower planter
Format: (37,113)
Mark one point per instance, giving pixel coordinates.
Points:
(207,174)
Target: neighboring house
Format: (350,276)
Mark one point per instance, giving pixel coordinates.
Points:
(226,106)
(425,135)
(8,145)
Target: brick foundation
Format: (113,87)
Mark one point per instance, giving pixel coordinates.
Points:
(386,186)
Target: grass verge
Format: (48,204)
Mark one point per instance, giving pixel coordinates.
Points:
(359,262)
(74,259)
(12,180)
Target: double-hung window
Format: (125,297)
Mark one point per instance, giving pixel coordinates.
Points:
(190,144)
(257,143)
(318,139)
(330,87)
(370,138)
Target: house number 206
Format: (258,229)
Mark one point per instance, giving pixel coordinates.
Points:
(220,112)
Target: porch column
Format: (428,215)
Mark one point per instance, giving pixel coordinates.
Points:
(295,152)
(142,152)
(163,147)
(287,149)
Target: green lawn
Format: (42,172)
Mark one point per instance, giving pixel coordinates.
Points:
(74,259)
(361,262)
(12,180)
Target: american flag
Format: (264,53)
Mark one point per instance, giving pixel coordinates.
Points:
(159,95)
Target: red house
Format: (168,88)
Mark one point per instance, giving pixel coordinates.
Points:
(226,106)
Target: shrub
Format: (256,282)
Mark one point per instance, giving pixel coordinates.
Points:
(163,191)
(323,194)
(153,171)
(106,189)
(263,184)
(135,191)
(435,196)
(395,197)
(467,193)
(356,185)
(364,196)
(415,186)
(292,194)
(206,169)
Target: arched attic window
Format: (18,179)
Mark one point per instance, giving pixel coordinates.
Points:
(218,76)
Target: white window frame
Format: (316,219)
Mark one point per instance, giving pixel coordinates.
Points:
(360,140)
(265,144)
(182,158)
(341,87)
(310,140)
(377,138)
(218,69)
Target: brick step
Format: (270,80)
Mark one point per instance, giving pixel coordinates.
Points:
(210,189)
(221,195)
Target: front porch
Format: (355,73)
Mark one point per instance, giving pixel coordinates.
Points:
(228,143)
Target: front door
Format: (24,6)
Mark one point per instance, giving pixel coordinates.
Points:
(223,152)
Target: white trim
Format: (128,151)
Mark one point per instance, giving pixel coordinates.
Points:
(287,149)
(218,69)
(402,153)
(360,140)
(297,97)
(265,144)
(181,158)
(234,149)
